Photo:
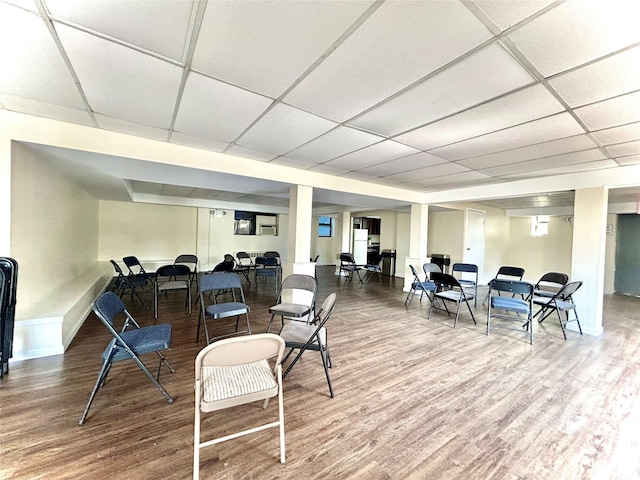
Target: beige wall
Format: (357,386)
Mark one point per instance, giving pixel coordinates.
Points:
(326,247)
(403,222)
(54,227)
(610,255)
(446,234)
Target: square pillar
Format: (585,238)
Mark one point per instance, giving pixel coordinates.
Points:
(418,231)
(299,245)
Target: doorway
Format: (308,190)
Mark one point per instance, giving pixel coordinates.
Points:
(474,240)
(627,269)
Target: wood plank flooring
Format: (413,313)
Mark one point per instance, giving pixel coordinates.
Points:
(415,399)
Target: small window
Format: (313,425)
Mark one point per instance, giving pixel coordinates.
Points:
(325,227)
(539,226)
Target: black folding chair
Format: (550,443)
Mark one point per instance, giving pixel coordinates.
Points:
(132,283)
(131,342)
(449,289)
(8,292)
(349,267)
(427,286)
(560,302)
(511,308)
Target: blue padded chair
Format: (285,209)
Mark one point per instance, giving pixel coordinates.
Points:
(222,285)
(418,285)
(449,289)
(511,308)
(266,268)
(470,285)
(167,280)
(507,273)
(129,343)
(132,283)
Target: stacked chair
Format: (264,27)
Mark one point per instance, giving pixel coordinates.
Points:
(8,288)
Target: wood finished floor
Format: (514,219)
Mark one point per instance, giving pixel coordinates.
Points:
(415,399)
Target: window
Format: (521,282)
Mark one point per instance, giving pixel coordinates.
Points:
(539,226)
(325,227)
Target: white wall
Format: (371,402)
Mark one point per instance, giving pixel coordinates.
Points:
(610,255)
(446,234)
(54,228)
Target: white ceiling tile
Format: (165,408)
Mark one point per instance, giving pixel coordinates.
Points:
(625,133)
(197,142)
(26,49)
(624,149)
(239,151)
(611,113)
(632,160)
(291,162)
(164,31)
(578,31)
(130,128)
(457,179)
(582,167)
(547,162)
(380,57)
(326,169)
(26,4)
(486,74)
(419,174)
(339,141)
(384,181)
(266,46)
(556,126)
(413,162)
(216,110)
(284,128)
(507,14)
(121,82)
(523,106)
(357,176)
(600,80)
(378,153)
(47,110)
(547,149)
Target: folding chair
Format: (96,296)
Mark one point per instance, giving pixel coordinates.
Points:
(305,337)
(131,342)
(418,285)
(230,284)
(267,268)
(136,269)
(549,284)
(296,300)
(131,283)
(167,281)
(348,266)
(449,289)
(372,268)
(506,273)
(513,308)
(238,268)
(236,371)
(190,261)
(467,270)
(560,302)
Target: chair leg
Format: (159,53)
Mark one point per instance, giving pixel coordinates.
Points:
(102,376)
(407,301)
(326,371)
(155,382)
(270,322)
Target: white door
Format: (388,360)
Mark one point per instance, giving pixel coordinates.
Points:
(474,240)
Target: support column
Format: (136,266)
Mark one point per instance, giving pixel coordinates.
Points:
(587,256)
(5,194)
(344,220)
(299,246)
(417,242)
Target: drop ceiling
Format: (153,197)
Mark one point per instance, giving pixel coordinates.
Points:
(420,95)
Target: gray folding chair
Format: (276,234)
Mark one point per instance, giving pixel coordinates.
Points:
(449,289)
(561,302)
(421,286)
(296,300)
(468,279)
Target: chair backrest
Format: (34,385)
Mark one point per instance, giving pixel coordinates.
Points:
(293,284)
(510,272)
(240,350)
(446,280)
(173,271)
(346,257)
(133,262)
(229,258)
(267,261)
(107,306)
(272,254)
(516,287)
(325,311)
(117,268)
(244,259)
(225,266)
(552,282)
(465,267)
(376,260)
(315,259)
(187,259)
(415,273)
(220,281)
(429,268)
(568,290)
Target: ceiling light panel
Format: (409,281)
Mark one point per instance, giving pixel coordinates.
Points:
(607,78)
(44,109)
(121,82)
(130,128)
(506,14)
(413,162)
(266,46)
(216,110)
(27,47)
(625,149)
(577,32)
(284,128)
(160,27)
(378,153)
(611,113)
(625,133)
(379,58)
(441,170)
(556,126)
(547,162)
(547,149)
(523,106)
(339,141)
(198,142)
(239,151)
(486,74)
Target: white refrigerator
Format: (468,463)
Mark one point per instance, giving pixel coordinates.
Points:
(360,237)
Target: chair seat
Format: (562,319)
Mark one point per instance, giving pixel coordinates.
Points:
(452,295)
(290,309)
(543,293)
(511,304)
(426,286)
(232,381)
(296,334)
(266,272)
(229,309)
(141,341)
(173,285)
